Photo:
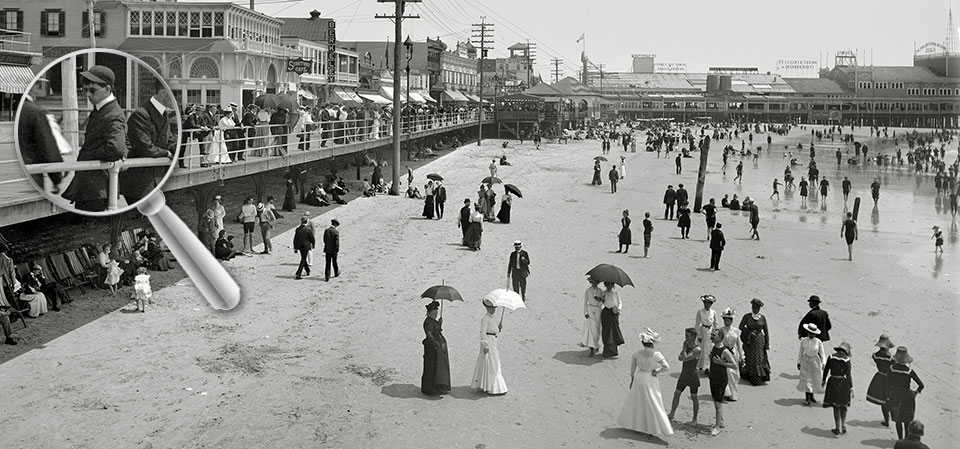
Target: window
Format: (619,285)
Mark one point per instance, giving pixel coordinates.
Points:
(204,67)
(213,96)
(147,28)
(171,23)
(182,24)
(158,23)
(52,22)
(12,19)
(99,19)
(218,24)
(134,23)
(193,96)
(206,29)
(194,24)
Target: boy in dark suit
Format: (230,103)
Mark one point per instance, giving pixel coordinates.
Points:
(518,269)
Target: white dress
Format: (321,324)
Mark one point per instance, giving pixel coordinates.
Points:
(218,148)
(141,287)
(643,411)
(731,339)
(487,375)
(705,322)
(591,326)
(38,303)
(811,365)
(113,273)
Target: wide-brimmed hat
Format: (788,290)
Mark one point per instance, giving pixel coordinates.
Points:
(649,336)
(812,328)
(756,302)
(729,312)
(486,302)
(844,346)
(902,356)
(884,342)
(259,206)
(708,298)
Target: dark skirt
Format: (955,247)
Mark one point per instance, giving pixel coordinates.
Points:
(877,391)
(504,214)
(428,206)
(683,221)
(289,200)
(756,366)
(626,236)
(436,369)
(474,235)
(837,393)
(610,332)
(902,404)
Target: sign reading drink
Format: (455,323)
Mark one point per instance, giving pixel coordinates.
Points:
(331,51)
(300,66)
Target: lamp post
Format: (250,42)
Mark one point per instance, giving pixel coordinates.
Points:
(408,44)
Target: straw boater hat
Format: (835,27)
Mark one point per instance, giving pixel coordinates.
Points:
(884,342)
(708,298)
(812,328)
(845,347)
(902,356)
(649,336)
(728,313)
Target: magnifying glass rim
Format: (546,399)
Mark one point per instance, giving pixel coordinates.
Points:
(63,203)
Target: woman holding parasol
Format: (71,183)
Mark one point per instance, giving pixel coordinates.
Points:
(487,375)
(436,361)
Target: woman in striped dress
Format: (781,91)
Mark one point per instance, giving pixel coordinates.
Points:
(877,391)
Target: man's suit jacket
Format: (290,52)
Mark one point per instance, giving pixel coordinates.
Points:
(669,197)
(303,239)
(524,270)
(716,240)
(331,240)
(440,195)
(464,216)
(250,120)
(819,317)
(148,132)
(37,143)
(105,140)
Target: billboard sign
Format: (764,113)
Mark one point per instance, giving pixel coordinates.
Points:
(331,51)
(300,65)
(669,67)
(931,49)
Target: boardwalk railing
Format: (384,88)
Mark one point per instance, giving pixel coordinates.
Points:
(113,170)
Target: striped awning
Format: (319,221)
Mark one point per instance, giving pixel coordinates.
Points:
(340,95)
(423,95)
(376,98)
(306,94)
(454,95)
(472,98)
(14,79)
(387,92)
(417,98)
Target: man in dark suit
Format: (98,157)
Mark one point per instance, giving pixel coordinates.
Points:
(325,124)
(518,269)
(249,123)
(37,142)
(303,241)
(439,198)
(235,136)
(208,121)
(682,195)
(192,129)
(105,140)
(669,200)
(464,222)
(817,316)
(331,246)
(148,131)
(912,441)
(717,242)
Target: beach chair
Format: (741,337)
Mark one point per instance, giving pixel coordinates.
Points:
(12,304)
(61,292)
(62,288)
(80,271)
(62,273)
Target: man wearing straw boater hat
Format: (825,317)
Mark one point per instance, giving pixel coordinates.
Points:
(817,316)
(518,269)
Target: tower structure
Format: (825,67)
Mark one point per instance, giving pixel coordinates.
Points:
(951,41)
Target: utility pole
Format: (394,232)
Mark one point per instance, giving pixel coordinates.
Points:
(600,68)
(557,71)
(482,33)
(397,19)
(531,57)
(92,56)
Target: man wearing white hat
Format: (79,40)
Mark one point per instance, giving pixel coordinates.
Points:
(518,269)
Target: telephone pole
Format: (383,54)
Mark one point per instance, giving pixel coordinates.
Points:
(531,58)
(482,33)
(557,71)
(397,19)
(600,68)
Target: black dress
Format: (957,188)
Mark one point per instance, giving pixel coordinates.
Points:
(718,375)
(683,218)
(436,360)
(610,332)
(289,198)
(504,214)
(626,236)
(877,391)
(902,400)
(839,383)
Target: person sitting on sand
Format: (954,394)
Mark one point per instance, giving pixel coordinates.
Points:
(503,159)
(735,202)
(504,144)
(414,192)
(316,197)
(224,247)
(747,204)
(725,202)
(367,189)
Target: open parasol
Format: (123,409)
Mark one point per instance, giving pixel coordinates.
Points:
(274,101)
(491,180)
(610,273)
(435,177)
(600,158)
(502,297)
(513,189)
(442,293)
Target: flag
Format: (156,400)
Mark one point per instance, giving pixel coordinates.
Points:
(582,35)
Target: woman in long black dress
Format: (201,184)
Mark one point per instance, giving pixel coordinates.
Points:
(877,392)
(505,204)
(839,386)
(626,236)
(683,220)
(902,400)
(428,205)
(610,321)
(756,342)
(290,198)
(436,360)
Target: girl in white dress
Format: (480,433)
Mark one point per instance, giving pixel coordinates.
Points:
(592,303)
(731,340)
(705,322)
(113,275)
(487,375)
(218,148)
(810,364)
(643,411)
(142,293)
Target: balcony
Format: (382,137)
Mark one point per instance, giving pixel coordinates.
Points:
(14,41)
(265,48)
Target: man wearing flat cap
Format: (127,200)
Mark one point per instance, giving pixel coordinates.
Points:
(105,139)
(519,269)
(148,131)
(817,316)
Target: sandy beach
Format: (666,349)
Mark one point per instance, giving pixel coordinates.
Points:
(337,364)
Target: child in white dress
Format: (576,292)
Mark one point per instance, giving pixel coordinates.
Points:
(142,293)
(113,275)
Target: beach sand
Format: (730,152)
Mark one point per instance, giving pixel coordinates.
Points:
(337,364)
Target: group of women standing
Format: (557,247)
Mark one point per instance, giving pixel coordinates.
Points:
(601,310)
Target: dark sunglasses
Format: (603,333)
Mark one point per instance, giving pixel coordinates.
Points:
(91,89)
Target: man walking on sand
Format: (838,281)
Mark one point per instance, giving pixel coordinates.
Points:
(679,161)
(849,232)
(669,199)
(817,316)
(518,269)
(464,222)
(739,173)
(717,242)
(303,242)
(331,246)
(614,177)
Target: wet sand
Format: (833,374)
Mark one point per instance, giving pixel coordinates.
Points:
(315,364)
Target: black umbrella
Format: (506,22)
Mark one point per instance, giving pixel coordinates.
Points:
(442,292)
(276,101)
(492,180)
(435,177)
(513,189)
(600,158)
(610,273)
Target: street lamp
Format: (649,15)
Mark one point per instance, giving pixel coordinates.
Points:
(408,44)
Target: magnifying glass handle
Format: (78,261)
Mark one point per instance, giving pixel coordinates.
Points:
(213,281)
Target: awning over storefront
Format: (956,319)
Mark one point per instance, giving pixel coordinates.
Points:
(306,95)
(453,95)
(340,95)
(472,98)
(423,95)
(375,98)
(14,79)
(387,92)
(417,98)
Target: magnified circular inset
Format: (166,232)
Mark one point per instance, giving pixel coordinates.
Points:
(112,151)
(120,123)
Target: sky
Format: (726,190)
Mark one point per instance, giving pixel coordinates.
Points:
(700,33)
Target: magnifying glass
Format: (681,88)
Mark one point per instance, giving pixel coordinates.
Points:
(123,160)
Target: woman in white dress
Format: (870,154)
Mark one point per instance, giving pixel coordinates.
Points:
(592,303)
(705,322)
(30,293)
(218,148)
(487,375)
(643,411)
(731,340)
(810,364)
